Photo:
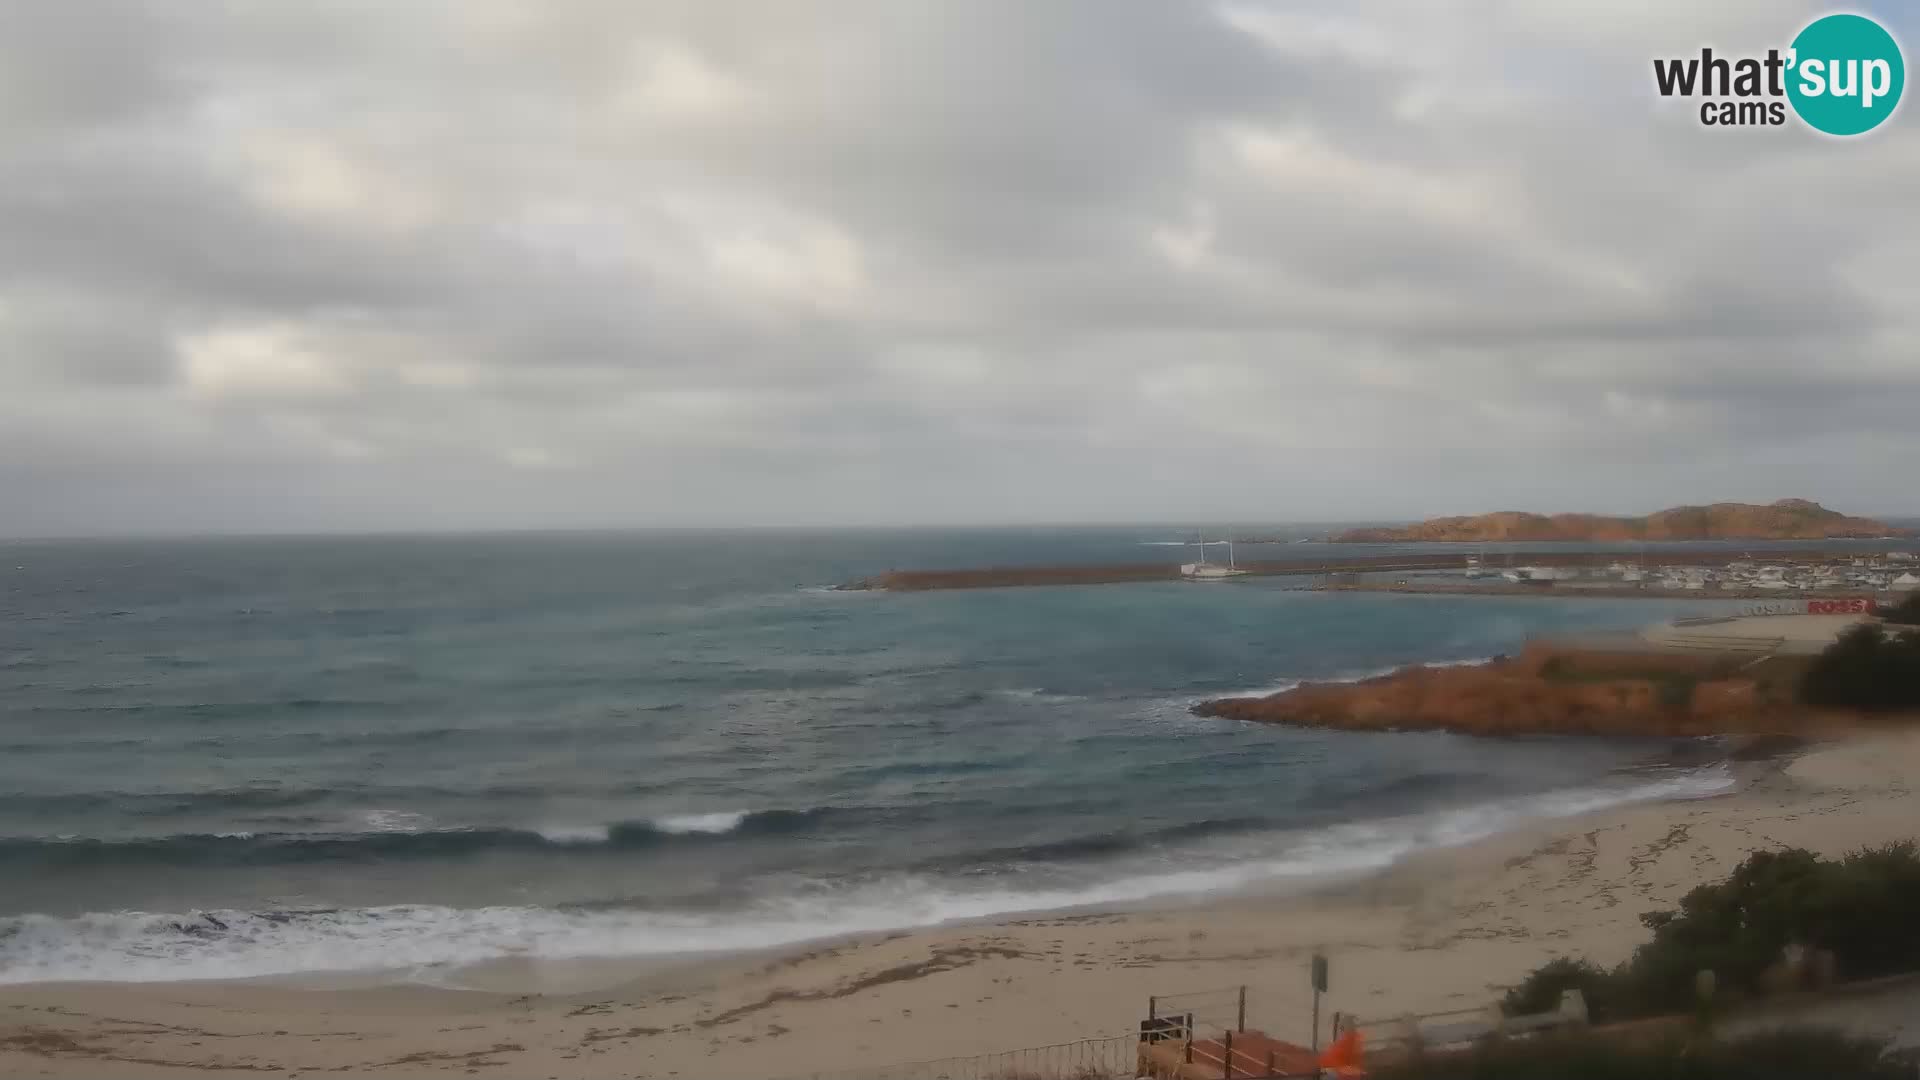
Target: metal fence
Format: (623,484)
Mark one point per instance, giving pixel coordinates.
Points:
(1283,1010)
(1207,1021)
(1107,1057)
(1240,1032)
(1223,1009)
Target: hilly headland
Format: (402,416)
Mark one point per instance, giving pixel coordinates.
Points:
(1786,519)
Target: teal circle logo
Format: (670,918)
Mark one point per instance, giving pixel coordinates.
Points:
(1845,74)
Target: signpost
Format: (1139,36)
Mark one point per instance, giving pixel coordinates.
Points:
(1319,987)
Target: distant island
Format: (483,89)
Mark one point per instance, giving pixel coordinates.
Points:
(1787,519)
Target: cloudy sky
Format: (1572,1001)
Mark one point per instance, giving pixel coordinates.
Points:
(563,263)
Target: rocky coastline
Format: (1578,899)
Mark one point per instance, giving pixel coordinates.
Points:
(1552,690)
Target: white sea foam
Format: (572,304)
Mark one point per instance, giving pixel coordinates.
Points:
(1472,661)
(723,822)
(396,821)
(575,834)
(1166,543)
(423,942)
(1035,694)
(1353,676)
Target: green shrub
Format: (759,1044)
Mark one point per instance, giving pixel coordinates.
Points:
(1787,1054)
(1864,911)
(1540,991)
(1868,668)
(1860,908)
(1676,691)
(1905,613)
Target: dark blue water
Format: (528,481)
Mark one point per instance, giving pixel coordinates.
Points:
(243,757)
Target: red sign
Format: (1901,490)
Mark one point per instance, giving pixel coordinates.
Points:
(1858,605)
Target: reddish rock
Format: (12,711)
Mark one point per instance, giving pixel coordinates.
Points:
(1544,691)
(1787,519)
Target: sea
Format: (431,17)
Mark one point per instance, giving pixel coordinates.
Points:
(409,756)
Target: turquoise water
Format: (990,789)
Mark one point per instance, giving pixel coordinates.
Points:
(252,757)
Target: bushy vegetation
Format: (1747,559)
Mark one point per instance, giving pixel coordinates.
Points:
(1676,691)
(1859,908)
(1788,1054)
(1904,613)
(1541,990)
(1868,668)
(1672,687)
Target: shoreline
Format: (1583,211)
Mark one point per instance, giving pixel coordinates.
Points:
(1728,685)
(993,577)
(1442,928)
(1272,862)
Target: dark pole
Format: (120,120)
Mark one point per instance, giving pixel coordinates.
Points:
(1226,1055)
(1153,1008)
(1240,1024)
(1319,968)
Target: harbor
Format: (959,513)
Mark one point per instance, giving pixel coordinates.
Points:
(1809,574)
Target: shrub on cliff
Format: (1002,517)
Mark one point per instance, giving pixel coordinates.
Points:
(1859,908)
(1785,1054)
(1904,613)
(1868,668)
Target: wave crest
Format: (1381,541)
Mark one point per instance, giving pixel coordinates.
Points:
(1355,675)
(425,941)
(724,821)
(394,834)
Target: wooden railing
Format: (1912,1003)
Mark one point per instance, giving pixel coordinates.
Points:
(1208,1031)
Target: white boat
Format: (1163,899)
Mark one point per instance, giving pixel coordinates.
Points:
(1206,571)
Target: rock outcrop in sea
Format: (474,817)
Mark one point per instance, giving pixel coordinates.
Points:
(1550,690)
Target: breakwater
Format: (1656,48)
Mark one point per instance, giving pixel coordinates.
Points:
(994,577)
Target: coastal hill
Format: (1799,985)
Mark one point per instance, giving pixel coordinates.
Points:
(1788,519)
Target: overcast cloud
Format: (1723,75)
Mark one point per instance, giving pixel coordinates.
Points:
(478,263)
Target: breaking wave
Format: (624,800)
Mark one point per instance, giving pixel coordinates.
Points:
(1355,676)
(424,941)
(397,834)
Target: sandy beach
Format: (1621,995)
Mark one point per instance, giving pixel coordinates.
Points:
(1446,929)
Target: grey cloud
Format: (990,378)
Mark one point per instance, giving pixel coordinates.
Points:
(302,266)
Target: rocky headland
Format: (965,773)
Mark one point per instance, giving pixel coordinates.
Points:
(1787,519)
(1552,690)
